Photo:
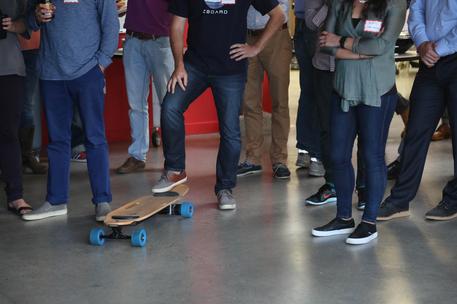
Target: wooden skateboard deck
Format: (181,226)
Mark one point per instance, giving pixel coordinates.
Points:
(144,207)
(140,210)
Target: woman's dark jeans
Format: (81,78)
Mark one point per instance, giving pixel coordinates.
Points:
(371,125)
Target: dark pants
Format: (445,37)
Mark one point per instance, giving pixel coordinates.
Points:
(370,124)
(228,95)
(323,86)
(59,97)
(11,98)
(434,89)
(308,136)
(31,59)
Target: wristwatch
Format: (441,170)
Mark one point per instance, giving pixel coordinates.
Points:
(342,41)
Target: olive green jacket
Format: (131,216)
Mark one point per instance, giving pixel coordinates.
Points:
(365,81)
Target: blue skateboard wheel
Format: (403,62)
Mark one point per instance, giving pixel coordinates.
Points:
(187,209)
(139,238)
(96,237)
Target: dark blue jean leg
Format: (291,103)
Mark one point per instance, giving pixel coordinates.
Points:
(360,180)
(172,118)
(342,135)
(90,100)
(58,108)
(390,103)
(373,124)
(308,134)
(228,95)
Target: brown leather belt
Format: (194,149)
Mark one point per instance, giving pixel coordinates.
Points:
(259,32)
(142,36)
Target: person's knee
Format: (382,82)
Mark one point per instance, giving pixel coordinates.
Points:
(373,158)
(171,107)
(339,159)
(232,136)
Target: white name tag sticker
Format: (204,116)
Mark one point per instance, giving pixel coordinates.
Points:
(373,26)
(228,2)
(71,1)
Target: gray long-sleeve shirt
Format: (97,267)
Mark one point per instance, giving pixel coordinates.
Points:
(314,12)
(82,34)
(11,60)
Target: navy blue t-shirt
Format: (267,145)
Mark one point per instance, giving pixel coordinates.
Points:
(215,25)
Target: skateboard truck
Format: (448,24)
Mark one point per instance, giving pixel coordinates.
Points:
(117,234)
(137,239)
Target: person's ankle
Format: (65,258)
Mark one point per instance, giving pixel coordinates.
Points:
(347,219)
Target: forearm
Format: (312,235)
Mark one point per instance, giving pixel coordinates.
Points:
(177,40)
(349,55)
(109,24)
(275,22)
(416,22)
(387,34)
(19,26)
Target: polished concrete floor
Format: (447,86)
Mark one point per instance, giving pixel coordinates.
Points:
(261,253)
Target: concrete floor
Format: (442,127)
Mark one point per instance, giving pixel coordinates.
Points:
(261,253)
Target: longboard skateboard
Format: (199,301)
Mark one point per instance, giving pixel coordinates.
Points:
(139,210)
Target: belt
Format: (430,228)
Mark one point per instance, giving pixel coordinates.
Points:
(142,36)
(259,32)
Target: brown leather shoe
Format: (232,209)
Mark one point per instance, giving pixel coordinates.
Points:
(443,132)
(131,165)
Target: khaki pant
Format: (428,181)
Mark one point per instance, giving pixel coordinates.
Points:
(275,60)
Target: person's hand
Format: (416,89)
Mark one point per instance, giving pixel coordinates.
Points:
(179,77)
(8,25)
(43,14)
(241,51)
(327,39)
(428,54)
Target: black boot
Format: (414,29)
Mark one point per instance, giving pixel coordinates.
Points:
(29,162)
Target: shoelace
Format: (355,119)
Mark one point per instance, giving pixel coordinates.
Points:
(246,164)
(163,177)
(444,204)
(225,193)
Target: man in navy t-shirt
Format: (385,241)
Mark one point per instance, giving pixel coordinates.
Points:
(216,59)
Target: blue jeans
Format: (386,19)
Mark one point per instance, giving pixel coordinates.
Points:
(308,130)
(144,59)
(371,124)
(59,97)
(228,93)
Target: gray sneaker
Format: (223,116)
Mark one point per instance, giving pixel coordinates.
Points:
(303,160)
(226,200)
(46,210)
(168,181)
(101,210)
(316,168)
